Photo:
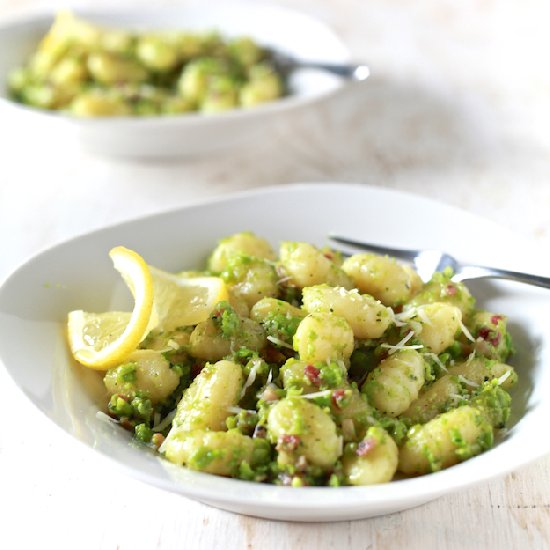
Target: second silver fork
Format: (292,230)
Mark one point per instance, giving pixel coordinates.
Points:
(427,262)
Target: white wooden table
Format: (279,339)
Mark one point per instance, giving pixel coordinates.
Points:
(457,109)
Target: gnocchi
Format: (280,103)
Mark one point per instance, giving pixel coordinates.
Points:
(304,265)
(367,317)
(313,369)
(322,337)
(87,71)
(395,384)
(374,460)
(299,428)
(384,278)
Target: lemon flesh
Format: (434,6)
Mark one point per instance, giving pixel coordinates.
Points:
(102,340)
(162,301)
(182,300)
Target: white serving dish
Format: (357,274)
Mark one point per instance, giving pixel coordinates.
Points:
(294,33)
(35,299)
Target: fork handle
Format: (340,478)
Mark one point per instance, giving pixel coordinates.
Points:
(482,272)
(351,71)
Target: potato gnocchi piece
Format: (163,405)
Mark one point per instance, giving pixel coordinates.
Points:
(439,323)
(434,399)
(395,383)
(305,265)
(270,307)
(449,389)
(449,438)
(250,279)
(347,405)
(244,243)
(238,303)
(442,289)
(322,337)
(71,72)
(294,375)
(208,341)
(367,317)
(145,371)
(220,453)
(310,377)
(374,460)
(205,404)
(491,336)
(300,428)
(279,319)
(95,103)
(479,370)
(382,277)
(111,69)
(354,415)
(157,52)
(167,340)
(264,85)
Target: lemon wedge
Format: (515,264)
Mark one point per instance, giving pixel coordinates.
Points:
(184,299)
(163,301)
(102,340)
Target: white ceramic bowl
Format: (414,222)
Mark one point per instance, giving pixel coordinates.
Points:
(34,302)
(289,31)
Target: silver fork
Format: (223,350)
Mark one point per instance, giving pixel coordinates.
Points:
(285,64)
(426,262)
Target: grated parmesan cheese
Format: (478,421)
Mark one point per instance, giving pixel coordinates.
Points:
(468,382)
(156,418)
(237,410)
(323,393)
(251,377)
(402,318)
(421,313)
(393,317)
(166,422)
(401,345)
(415,326)
(456,398)
(437,360)
(466,332)
(504,377)
(279,342)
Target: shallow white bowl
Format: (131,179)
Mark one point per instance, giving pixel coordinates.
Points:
(34,302)
(189,134)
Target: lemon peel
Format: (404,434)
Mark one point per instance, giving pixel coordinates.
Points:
(102,340)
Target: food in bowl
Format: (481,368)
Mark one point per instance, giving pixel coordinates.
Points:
(88,71)
(302,368)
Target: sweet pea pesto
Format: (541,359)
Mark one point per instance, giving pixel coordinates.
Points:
(319,370)
(89,71)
